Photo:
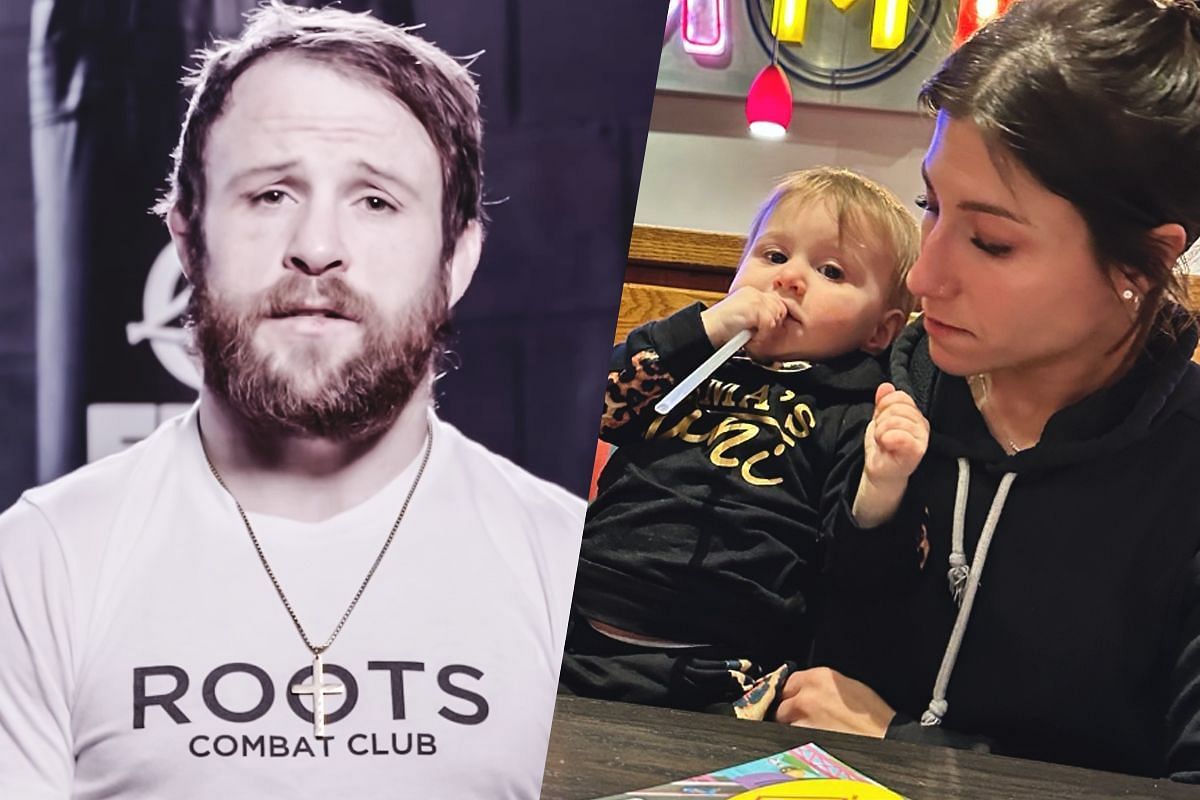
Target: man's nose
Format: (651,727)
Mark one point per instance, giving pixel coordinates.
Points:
(316,245)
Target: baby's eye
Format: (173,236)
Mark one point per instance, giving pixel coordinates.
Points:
(923,202)
(832,271)
(776,256)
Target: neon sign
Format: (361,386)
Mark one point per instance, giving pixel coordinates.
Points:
(889,23)
(704,27)
(846,44)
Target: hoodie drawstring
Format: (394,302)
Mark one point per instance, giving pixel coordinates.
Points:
(964,580)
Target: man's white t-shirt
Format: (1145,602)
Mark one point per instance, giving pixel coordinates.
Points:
(144,652)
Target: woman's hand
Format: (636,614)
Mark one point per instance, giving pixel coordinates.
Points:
(827,699)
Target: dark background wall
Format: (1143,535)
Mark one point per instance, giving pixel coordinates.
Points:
(566,87)
(17,273)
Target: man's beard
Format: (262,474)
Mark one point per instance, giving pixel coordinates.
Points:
(358,398)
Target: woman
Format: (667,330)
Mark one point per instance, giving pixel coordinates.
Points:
(1053,366)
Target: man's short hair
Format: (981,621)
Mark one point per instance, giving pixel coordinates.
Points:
(435,87)
(861,205)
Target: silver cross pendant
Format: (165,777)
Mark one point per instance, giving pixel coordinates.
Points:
(317,687)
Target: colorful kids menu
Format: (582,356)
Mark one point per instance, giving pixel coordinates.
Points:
(802,772)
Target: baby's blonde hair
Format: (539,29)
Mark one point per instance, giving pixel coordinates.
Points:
(870,210)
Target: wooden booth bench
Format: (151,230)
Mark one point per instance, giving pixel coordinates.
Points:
(670,268)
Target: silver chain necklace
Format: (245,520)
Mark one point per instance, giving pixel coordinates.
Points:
(316,685)
(981,387)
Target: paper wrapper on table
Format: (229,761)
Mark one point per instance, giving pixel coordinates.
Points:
(805,771)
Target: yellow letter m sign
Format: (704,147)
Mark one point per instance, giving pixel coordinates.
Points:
(888,24)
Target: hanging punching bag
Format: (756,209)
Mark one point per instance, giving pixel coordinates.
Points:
(105,105)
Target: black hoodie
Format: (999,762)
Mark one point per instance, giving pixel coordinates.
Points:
(1083,644)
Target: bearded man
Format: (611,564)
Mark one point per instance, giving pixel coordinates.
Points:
(308,585)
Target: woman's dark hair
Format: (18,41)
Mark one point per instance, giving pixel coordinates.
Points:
(1100,101)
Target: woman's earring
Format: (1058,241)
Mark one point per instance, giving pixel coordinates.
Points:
(1129,296)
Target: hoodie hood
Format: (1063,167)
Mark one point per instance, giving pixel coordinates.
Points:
(1161,383)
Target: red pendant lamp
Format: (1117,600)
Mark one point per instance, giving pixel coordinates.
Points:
(974,14)
(769,101)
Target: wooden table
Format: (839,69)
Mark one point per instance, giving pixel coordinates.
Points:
(599,748)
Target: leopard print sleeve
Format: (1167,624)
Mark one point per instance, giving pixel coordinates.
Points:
(645,367)
(631,389)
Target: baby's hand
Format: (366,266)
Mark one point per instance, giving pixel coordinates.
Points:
(745,309)
(896,439)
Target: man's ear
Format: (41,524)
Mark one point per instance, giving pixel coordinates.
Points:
(465,260)
(885,332)
(177,226)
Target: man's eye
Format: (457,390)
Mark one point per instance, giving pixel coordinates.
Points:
(832,271)
(271,197)
(378,204)
(776,257)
